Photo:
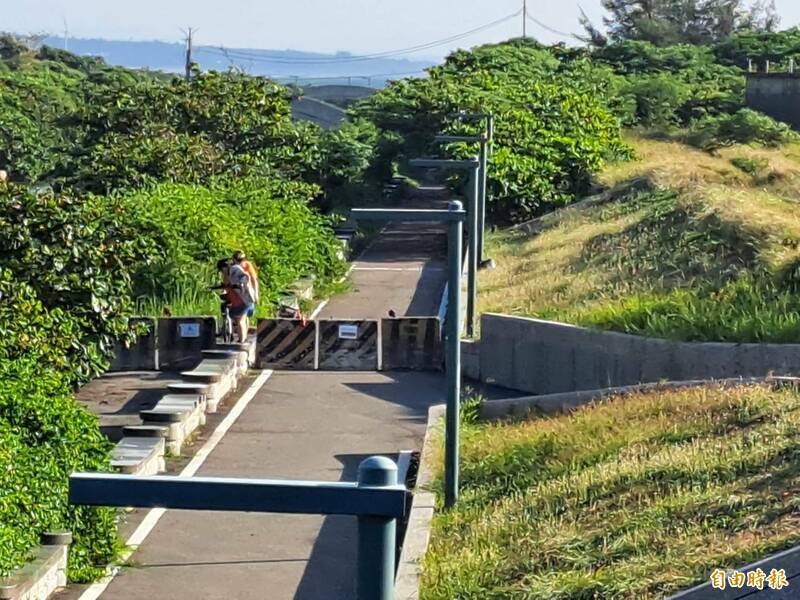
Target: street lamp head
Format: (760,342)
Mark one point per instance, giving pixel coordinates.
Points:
(455,205)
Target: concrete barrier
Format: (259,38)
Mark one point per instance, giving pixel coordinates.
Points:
(286,344)
(776,95)
(412,343)
(142,355)
(544,357)
(181,340)
(348,345)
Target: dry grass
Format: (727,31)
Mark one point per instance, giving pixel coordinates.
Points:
(630,498)
(708,224)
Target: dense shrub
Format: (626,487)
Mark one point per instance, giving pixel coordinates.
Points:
(658,99)
(44,436)
(552,129)
(77,256)
(270,219)
(743,127)
(185,132)
(684,78)
(777,47)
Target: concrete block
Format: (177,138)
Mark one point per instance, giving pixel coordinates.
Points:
(286,344)
(142,355)
(471,359)
(180,415)
(139,456)
(412,343)
(348,345)
(41,577)
(181,340)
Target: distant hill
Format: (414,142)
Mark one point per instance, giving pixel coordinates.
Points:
(284,65)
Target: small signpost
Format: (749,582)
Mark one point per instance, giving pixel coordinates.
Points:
(455,217)
(376,499)
(189,330)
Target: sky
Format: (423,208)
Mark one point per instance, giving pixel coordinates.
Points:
(357,26)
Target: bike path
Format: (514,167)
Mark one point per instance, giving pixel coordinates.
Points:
(303,426)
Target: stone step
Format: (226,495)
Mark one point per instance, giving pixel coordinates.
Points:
(139,456)
(189,388)
(203,376)
(145,431)
(164,414)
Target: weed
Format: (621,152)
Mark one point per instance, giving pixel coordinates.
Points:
(630,498)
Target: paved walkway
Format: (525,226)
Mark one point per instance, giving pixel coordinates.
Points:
(303,426)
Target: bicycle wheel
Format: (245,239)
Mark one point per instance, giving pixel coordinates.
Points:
(227,329)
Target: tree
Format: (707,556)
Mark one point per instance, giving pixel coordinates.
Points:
(669,22)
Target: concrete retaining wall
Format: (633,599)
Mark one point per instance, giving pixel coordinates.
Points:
(171,343)
(181,340)
(141,355)
(775,94)
(544,357)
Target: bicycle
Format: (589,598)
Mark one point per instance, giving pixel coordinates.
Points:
(225,331)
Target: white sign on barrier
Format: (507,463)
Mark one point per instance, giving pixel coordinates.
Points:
(189,330)
(348,332)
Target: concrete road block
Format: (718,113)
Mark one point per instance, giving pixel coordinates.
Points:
(286,344)
(412,343)
(348,345)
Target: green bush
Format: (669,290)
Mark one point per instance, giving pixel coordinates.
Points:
(743,127)
(77,255)
(44,436)
(185,132)
(553,129)
(269,218)
(688,79)
(658,98)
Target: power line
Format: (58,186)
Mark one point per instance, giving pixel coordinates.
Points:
(241,54)
(550,29)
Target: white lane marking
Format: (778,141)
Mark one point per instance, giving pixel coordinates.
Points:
(94,591)
(318,310)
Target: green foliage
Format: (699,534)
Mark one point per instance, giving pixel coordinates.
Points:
(552,130)
(45,435)
(77,255)
(749,309)
(743,127)
(658,98)
(752,166)
(185,132)
(667,22)
(777,47)
(684,80)
(271,219)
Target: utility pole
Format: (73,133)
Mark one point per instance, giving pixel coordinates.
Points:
(66,33)
(189,35)
(524,19)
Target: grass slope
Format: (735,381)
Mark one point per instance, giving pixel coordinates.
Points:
(710,250)
(631,498)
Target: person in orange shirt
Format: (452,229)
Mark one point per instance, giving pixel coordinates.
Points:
(239,258)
